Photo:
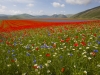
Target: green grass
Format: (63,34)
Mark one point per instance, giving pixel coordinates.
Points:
(19,54)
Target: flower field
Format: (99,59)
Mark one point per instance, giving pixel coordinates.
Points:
(30,47)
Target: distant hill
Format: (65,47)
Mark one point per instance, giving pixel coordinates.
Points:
(21,16)
(69,15)
(28,16)
(93,13)
(58,16)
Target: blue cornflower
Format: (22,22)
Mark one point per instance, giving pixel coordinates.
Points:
(40,66)
(15,59)
(49,34)
(50,47)
(15,43)
(95,51)
(8,51)
(34,61)
(13,55)
(28,47)
(71,54)
(13,50)
(44,46)
(98,42)
(28,54)
(61,57)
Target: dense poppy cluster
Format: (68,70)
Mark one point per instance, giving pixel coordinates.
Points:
(30,47)
(12,25)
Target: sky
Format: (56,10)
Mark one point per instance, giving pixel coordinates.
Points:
(46,7)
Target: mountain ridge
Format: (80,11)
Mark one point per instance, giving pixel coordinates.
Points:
(28,16)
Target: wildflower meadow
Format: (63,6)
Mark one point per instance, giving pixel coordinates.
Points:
(30,47)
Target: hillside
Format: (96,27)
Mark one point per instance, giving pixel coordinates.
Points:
(28,16)
(93,13)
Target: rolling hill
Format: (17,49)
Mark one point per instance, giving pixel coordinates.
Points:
(28,16)
(93,13)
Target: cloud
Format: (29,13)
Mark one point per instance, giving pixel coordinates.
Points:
(56,4)
(18,1)
(14,12)
(41,11)
(80,2)
(30,5)
(2,9)
(62,11)
(14,5)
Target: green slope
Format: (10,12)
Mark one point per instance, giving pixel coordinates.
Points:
(93,13)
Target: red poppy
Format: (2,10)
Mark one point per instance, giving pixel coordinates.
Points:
(83,43)
(93,53)
(95,35)
(37,48)
(76,44)
(32,44)
(76,37)
(63,69)
(0,40)
(35,67)
(54,45)
(61,40)
(68,39)
(12,60)
(48,55)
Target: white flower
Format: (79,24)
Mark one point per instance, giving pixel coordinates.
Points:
(98,65)
(87,47)
(46,64)
(73,49)
(40,55)
(74,66)
(17,65)
(35,64)
(9,65)
(70,46)
(36,70)
(85,72)
(91,53)
(68,53)
(54,55)
(89,58)
(29,41)
(91,38)
(23,73)
(49,61)
(61,48)
(80,48)
(84,56)
(64,46)
(84,53)
(48,71)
